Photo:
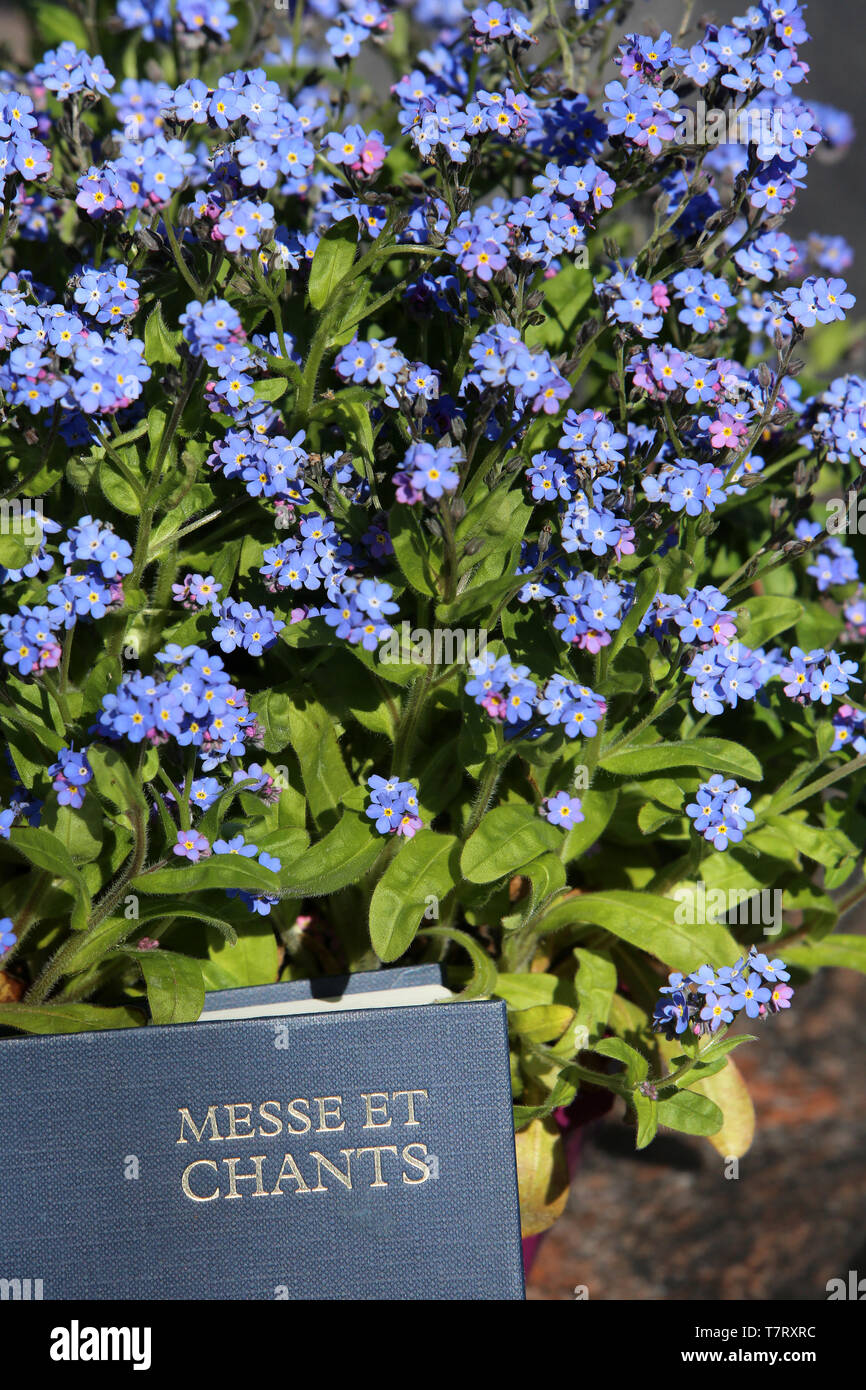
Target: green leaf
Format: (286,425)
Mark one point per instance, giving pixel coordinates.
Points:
(160,344)
(65,1018)
(273,708)
(326,780)
(647,1113)
(97,943)
(629,674)
(57,23)
(564,296)
(820,913)
(497,522)
(114,930)
(332,261)
(344,855)
(724,1046)
(420,870)
(563,1093)
(198,499)
(412,550)
(526,991)
(252,960)
(598,806)
(118,490)
(175,989)
(717,754)
(764,618)
(729,1092)
(690,1113)
(645,591)
(44,850)
(547,876)
(595,983)
(353,417)
(542,1175)
(482,982)
(216,813)
(649,922)
(508,838)
(664,790)
(825,846)
(81,830)
(483,599)
(635,1063)
(540,1023)
(270,388)
(651,818)
(115,780)
(36,730)
(14,550)
(221,871)
(844,952)
(818,627)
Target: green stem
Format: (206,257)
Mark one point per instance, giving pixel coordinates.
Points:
(184,807)
(404,740)
(64,663)
(632,734)
(851,899)
(56,967)
(662,1082)
(140,557)
(450,549)
(488,782)
(4,225)
(179,261)
(818,786)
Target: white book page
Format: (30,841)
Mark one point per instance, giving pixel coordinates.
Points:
(372,999)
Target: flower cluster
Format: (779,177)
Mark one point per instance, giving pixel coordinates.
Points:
(708,999)
(191,701)
(393,807)
(58,361)
(242,625)
(22,154)
(71,774)
(721,811)
(508,694)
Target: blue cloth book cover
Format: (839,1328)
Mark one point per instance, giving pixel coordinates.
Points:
(360,1152)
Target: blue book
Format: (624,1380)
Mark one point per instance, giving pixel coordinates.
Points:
(310,1141)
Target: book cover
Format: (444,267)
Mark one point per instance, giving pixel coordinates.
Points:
(337,1154)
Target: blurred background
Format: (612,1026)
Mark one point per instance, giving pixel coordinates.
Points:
(666,1223)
